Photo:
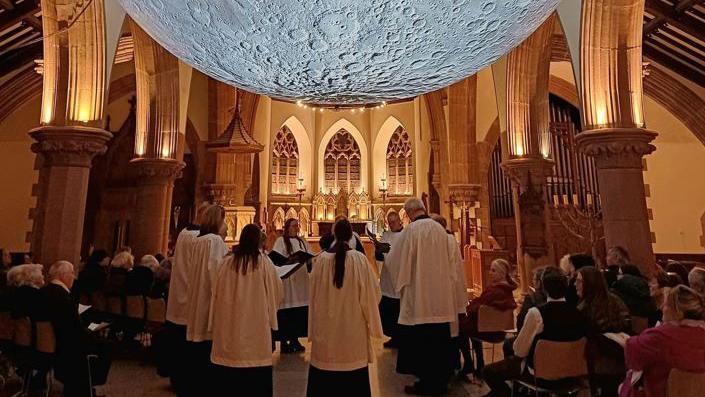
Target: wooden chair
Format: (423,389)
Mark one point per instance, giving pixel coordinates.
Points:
(135,307)
(685,384)
(45,349)
(491,320)
(558,361)
(22,350)
(114,305)
(7,329)
(98,301)
(639,324)
(156,310)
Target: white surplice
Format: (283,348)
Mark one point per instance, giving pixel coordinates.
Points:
(426,279)
(243,312)
(206,259)
(176,308)
(296,285)
(342,322)
(390,267)
(460,289)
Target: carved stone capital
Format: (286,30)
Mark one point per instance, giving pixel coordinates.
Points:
(69,146)
(526,171)
(617,147)
(155,171)
(464,193)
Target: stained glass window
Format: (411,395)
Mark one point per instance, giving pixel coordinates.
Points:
(285,162)
(342,162)
(400,172)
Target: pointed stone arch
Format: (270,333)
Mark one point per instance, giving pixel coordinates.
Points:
(345,124)
(305,149)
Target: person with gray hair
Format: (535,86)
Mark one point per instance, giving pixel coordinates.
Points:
(24,297)
(696,279)
(73,341)
(428,307)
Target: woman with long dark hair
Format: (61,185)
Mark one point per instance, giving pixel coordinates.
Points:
(244,307)
(343,319)
(293,315)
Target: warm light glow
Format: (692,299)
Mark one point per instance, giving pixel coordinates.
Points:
(83,114)
(601,116)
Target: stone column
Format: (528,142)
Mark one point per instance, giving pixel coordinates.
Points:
(149,231)
(528,176)
(65,155)
(618,154)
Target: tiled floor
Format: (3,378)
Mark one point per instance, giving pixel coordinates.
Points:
(132,378)
(289,378)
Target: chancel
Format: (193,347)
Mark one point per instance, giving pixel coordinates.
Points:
(366,198)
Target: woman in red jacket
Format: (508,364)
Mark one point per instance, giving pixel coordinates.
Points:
(499,294)
(677,343)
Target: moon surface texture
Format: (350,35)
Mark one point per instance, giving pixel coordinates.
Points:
(339,51)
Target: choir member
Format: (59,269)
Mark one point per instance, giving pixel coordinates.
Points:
(389,305)
(293,314)
(246,295)
(209,249)
(426,282)
(461,298)
(172,362)
(328,239)
(343,320)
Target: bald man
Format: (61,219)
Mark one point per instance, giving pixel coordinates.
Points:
(73,341)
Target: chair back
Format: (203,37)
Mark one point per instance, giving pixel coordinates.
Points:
(114,304)
(560,360)
(23,332)
(98,301)
(685,384)
(156,310)
(135,306)
(639,324)
(7,327)
(490,319)
(46,339)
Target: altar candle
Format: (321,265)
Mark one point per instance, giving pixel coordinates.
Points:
(575,199)
(565,199)
(589,199)
(555,201)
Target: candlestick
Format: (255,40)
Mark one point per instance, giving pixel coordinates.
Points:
(589,199)
(565,199)
(556,203)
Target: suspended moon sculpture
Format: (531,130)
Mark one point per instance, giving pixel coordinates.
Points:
(339,51)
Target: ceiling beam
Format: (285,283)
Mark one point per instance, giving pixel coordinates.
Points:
(674,15)
(661,55)
(20,11)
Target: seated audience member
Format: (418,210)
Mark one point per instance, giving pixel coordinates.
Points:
(679,269)
(617,256)
(555,320)
(328,239)
(343,320)
(94,275)
(603,310)
(677,343)
(162,277)
(120,265)
(696,280)
(24,296)
(634,291)
(570,264)
(73,341)
(536,297)
(499,294)
(140,279)
(246,287)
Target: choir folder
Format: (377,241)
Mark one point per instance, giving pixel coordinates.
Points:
(286,266)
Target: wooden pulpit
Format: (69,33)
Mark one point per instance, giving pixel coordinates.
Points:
(477,265)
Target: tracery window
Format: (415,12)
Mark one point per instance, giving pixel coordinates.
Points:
(400,172)
(342,162)
(285,162)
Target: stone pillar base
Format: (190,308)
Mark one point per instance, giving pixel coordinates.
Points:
(65,154)
(149,231)
(618,154)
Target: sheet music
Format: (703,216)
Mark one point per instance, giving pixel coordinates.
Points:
(82,308)
(97,326)
(285,269)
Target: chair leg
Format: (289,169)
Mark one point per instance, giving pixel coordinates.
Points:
(90,376)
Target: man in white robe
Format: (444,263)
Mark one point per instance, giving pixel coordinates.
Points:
(389,305)
(428,307)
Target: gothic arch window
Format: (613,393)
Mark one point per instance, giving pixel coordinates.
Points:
(342,162)
(400,174)
(285,162)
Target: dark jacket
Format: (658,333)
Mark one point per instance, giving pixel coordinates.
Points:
(115,286)
(26,301)
(91,279)
(533,299)
(139,281)
(634,292)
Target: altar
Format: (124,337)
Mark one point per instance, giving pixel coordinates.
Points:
(325,227)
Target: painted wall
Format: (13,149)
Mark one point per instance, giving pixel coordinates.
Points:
(17,175)
(676,179)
